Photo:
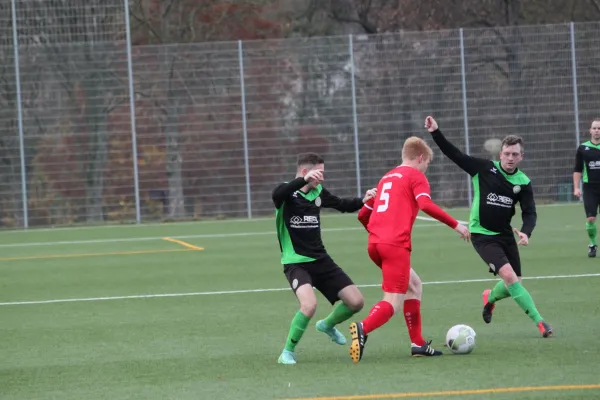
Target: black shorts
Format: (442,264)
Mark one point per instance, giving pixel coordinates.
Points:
(497,250)
(324,274)
(591,199)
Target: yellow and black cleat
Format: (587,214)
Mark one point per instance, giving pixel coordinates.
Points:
(358,341)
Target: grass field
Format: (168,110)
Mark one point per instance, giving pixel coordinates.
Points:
(121,313)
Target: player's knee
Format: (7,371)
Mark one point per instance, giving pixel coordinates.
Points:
(396,300)
(356,304)
(415,286)
(352,298)
(591,220)
(308,308)
(508,275)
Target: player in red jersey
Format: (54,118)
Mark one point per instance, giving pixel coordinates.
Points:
(401,193)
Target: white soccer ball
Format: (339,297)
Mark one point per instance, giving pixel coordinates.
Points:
(460,339)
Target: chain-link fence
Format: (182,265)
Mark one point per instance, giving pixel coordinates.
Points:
(94,128)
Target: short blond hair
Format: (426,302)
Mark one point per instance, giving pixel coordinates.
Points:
(414,147)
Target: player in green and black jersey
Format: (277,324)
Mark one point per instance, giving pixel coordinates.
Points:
(587,169)
(306,263)
(497,187)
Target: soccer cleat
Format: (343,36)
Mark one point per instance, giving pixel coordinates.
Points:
(358,341)
(424,351)
(488,308)
(287,357)
(545,329)
(333,333)
(592,250)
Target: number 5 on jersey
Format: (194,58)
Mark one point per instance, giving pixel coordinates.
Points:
(384,197)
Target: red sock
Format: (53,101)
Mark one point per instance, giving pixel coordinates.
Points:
(379,315)
(412,315)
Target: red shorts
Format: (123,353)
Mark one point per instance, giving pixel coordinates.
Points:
(394,262)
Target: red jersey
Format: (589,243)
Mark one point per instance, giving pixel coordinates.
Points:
(400,194)
(395,208)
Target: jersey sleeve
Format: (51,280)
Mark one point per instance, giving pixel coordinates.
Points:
(470,165)
(420,186)
(422,193)
(430,208)
(284,190)
(528,211)
(365,213)
(329,200)
(578,161)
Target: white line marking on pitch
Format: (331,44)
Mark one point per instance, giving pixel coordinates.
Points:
(203,236)
(151,296)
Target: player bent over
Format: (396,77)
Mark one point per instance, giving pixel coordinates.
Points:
(587,166)
(401,193)
(306,263)
(498,186)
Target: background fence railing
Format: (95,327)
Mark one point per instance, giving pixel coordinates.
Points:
(94,128)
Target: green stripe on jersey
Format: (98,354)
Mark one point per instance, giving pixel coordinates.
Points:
(474,220)
(518,178)
(288,255)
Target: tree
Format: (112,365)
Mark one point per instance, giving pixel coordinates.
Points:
(188,78)
(80,57)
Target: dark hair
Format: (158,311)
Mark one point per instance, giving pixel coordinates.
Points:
(309,158)
(511,140)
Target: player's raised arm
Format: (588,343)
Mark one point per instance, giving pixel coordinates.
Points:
(471,165)
(528,211)
(284,190)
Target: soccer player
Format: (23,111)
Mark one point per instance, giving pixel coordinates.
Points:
(306,263)
(401,193)
(498,186)
(587,163)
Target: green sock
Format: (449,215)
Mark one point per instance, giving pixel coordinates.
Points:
(499,292)
(340,313)
(299,324)
(591,230)
(522,297)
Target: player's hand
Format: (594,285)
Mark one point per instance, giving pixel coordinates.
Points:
(577,192)
(464,232)
(430,124)
(523,238)
(370,194)
(315,175)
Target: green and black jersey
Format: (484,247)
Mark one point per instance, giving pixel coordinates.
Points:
(495,192)
(298,219)
(587,162)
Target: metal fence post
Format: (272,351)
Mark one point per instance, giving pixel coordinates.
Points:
(464,101)
(20,116)
(245,128)
(355,116)
(134,154)
(575,93)
(574,79)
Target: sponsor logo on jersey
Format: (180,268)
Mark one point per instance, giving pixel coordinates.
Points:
(494,199)
(594,164)
(307,221)
(516,189)
(393,175)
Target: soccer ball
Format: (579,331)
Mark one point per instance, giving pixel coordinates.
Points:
(460,339)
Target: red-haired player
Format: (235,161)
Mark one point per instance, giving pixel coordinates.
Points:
(389,219)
